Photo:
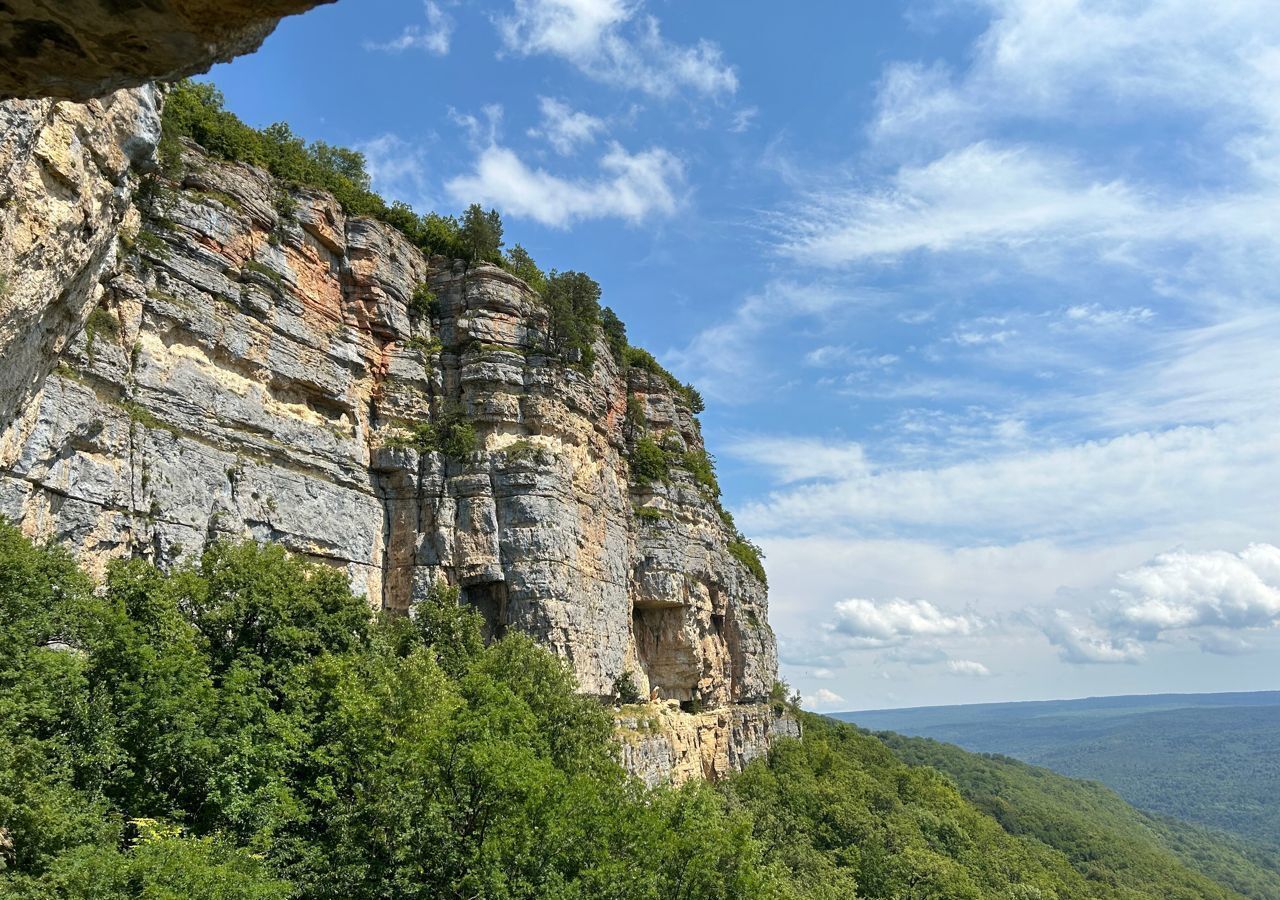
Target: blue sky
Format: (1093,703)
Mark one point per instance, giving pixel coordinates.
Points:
(982,295)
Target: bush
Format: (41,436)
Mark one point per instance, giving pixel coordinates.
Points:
(648,462)
(747,553)
(625,690)
(423,304)
(651,515)
(702,467)
(196,111)
(452,435)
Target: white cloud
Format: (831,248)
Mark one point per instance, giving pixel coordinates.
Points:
(838,355)
(743,119)
(725,357)
(1182,590)
(1101,488)
(983,197)
(1097,315)
(822,697)
(632,187)
(882,623)
(434,37)
(967,667)
(801,459)
(1084,643)
(483,130)
(615,42)
(565,128)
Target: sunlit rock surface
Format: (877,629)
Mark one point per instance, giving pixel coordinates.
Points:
(234,360)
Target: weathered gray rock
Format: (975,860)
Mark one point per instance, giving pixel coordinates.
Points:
(244,374)
(81,49)
(67,175)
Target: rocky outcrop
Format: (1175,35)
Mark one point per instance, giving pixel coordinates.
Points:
(242,361)
(663,745)
(68,173)
(81,49)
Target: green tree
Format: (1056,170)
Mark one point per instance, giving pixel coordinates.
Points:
(481,233)
(615,334)
(520,264)
(573,302)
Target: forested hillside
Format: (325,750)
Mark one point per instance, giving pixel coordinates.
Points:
(1100,833)
(1204,758)
(244,727)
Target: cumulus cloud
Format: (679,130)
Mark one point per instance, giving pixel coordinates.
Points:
(1083,642)
(822,697)
(565,128)
(882,623)
(968,668)
(1182,590)
(1215,598)
(615,42)
(434,37)
(629,186)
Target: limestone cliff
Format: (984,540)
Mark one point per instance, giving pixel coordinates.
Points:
(81,49)
(225,358)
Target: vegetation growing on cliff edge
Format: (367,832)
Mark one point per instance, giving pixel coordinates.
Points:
(196,111)
(244,729)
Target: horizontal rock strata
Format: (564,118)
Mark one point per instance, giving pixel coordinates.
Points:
(230,359)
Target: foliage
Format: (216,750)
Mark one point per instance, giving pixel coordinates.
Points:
(701,466)
(520,264)
(615,334)
(451,434)
(651,514)
(195,111)
(625,690)
(751,556)
(637,358)
(1107,840)
(649,461)
(243,728)
(423,303)
(481,234)
(573,304)
(101,321)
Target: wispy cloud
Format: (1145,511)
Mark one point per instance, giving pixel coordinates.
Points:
(399,170)
(565,128)
(616,42)
(629,186)
(1104,487)
(434,37)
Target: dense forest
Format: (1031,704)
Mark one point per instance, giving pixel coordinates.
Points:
(245,727)
(1208,758)
(1096,829)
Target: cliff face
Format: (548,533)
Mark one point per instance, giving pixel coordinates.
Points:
(80,49)
(230,359)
